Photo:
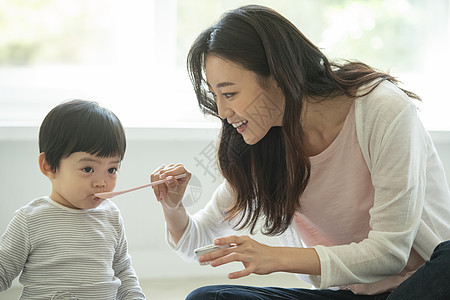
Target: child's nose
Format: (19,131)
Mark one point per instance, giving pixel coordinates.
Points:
(100,182)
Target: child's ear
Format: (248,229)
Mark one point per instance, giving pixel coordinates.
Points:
(45,167)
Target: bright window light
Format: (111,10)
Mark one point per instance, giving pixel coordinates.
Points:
(130,55)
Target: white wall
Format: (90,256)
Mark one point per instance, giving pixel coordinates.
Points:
(21,181)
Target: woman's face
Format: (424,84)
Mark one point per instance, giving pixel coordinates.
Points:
(251,109)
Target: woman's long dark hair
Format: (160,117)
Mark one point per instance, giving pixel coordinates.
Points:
(270,176)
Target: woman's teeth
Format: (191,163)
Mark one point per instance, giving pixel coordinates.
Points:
(236,125)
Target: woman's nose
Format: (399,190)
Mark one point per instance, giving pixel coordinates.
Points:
(223,108)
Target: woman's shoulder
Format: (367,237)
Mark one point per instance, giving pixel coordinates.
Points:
(379,109)
(224,195)
(381,114)
(386,98)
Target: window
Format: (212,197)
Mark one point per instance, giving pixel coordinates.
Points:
(130,55)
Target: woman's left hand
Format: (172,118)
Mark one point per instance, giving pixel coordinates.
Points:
(257,258)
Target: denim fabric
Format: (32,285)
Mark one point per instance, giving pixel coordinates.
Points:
(237,292)
(431,281)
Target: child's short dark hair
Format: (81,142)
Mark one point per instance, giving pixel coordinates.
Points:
(80,126)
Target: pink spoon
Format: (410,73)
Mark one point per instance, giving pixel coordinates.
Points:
(107,195)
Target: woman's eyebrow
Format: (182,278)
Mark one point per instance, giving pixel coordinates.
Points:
(222,84)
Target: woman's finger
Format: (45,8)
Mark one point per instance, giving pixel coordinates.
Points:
(232,239)
(256,257)
(173,185)
(239,274)
(170,194)
(227,258)
(158,189)
(173,170)
(209,256)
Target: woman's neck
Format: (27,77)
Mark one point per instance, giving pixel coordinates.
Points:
(322,121)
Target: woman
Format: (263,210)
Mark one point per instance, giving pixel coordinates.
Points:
(330,157)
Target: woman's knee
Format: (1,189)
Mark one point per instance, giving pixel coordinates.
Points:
(212,292)
(202,293)
(442,251)
(441,257)
(222,292)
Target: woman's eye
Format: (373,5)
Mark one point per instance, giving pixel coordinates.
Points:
(228,95)
(212,94)
(88,170)
(112,170)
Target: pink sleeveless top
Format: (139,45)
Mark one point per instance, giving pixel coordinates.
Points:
(335,205)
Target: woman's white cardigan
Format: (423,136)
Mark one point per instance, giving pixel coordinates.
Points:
(411,201)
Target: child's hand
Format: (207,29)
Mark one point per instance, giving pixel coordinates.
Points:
(171,193)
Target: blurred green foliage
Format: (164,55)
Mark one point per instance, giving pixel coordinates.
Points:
(384,33)
(50,31)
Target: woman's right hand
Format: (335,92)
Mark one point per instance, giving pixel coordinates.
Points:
(171,193)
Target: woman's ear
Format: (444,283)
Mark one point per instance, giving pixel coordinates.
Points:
(45,167)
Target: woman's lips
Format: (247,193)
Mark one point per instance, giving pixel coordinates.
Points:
(240,126)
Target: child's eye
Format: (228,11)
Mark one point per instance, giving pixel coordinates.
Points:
(112,170)
(88,170)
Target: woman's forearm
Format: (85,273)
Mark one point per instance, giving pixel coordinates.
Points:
(176,221)
(298,260)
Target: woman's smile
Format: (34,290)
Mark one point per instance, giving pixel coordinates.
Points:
(240,126)
(250,104)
